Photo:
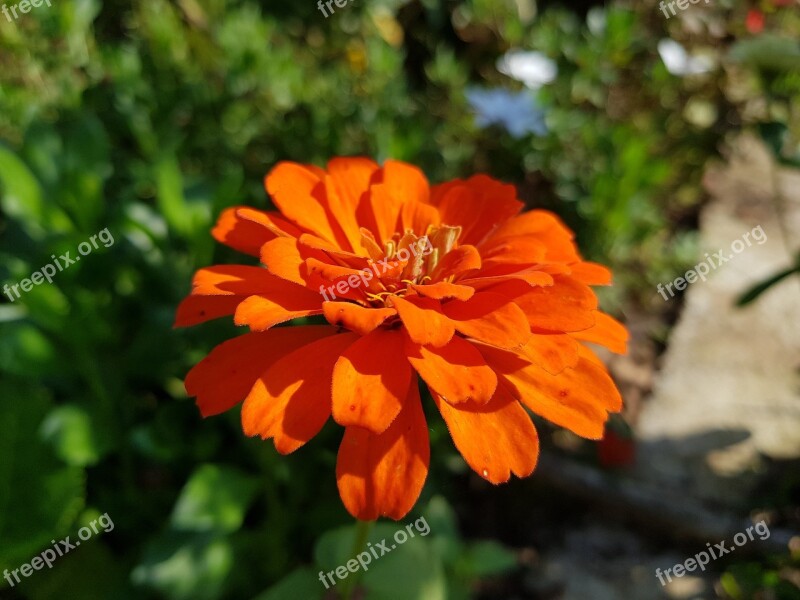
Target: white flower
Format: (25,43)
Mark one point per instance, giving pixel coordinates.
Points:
(678,61)
(533,69)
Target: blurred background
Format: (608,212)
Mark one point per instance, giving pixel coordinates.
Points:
(657,137)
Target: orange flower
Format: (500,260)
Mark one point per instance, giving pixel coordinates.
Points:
(450,283)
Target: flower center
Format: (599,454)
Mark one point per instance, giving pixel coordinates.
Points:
(408,259)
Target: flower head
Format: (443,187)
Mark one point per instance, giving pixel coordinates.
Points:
(451,285)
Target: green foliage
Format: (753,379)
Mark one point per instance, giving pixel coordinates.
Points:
(433,563)
(147,119)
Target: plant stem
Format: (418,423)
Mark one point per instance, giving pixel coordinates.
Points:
(359,542)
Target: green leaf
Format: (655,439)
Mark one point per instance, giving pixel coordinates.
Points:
(754,292)
(71,432)
(186,566)
(487,558)
(39,496)
(214,499)
(444,538)
(300,583)
(768,52)
(22,195)
(413,566)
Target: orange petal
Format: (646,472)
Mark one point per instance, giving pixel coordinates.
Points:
(291,400)
(458,262)
(405,181)
(282,304)
(514,251)
(199,309)
(490,318)
(531,277)
(496,439)
(242,234)
(224,378)
(566,306)
(553,352)
(386,211)
(299,193)
(284,258)
(478,205)
(590,273)
(371,380)
(607,332)
(416,216)
(230,280)
(456,371)
(354,317)
(578,398)
(424,320)
(347,182)
(444,290)
(382,475)
(545,227)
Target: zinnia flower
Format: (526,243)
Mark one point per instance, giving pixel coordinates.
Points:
(486,305)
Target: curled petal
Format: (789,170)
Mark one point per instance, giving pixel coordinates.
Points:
(354,317)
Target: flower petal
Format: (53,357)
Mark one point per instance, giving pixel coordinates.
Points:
(444,290)
(496,439)
(554,352)
(590,273)
(284,258)
(233,280)
(545,227)
(246,230)
(405,181)
(490,318)
(607,332)
(346,184)
(565,306)
(354,317)
(458,262)
(282,304)
(423,320)
(386,211)
(478,205)
(382,475)
(299,193)
(371,380)
(456,371)
(199,309)
(290,401)
(417,216)
(224,378)
(578,398)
